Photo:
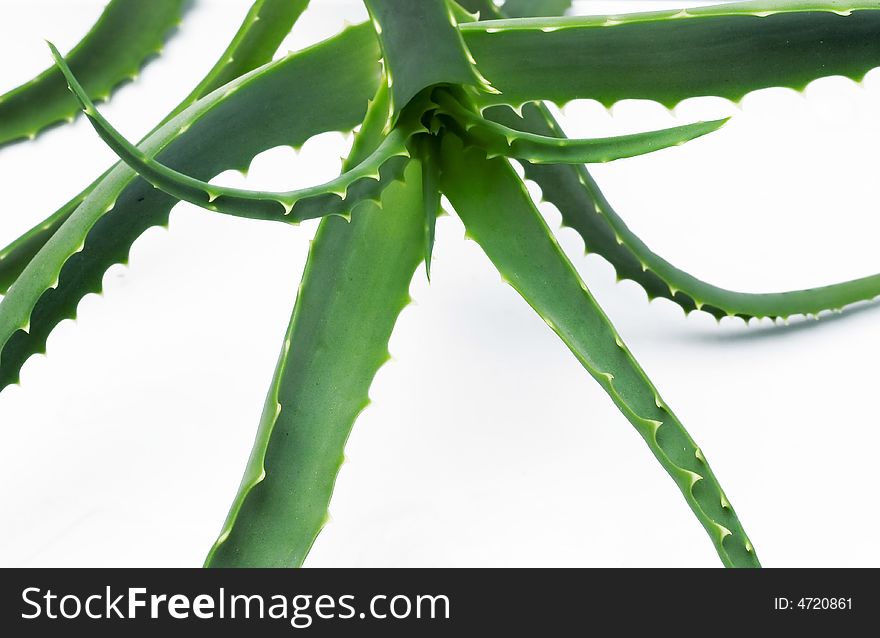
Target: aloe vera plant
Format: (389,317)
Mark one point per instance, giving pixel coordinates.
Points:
(443,95)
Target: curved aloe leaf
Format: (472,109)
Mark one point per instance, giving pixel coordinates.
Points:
(725,51)
(336,197)
(421,47)
(266,24)
(263,29)
(500,216)
(223,131)
(334,346)
(368,265)
(500,140)
(584,208)
(126,34)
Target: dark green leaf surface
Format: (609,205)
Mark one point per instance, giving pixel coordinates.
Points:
(725,51)
(421,47)
(431,196)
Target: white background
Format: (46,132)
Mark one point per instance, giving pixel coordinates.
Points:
(486,444)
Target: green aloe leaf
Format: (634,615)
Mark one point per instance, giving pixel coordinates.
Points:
(336,197)
(500,140)
(334,346)
(285,102)
(500,216)
(356,283)
(431,196)
(726,51)
(584,208)
(18,254)
(263,29)
(127,34)
(266,24)
(421,47)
